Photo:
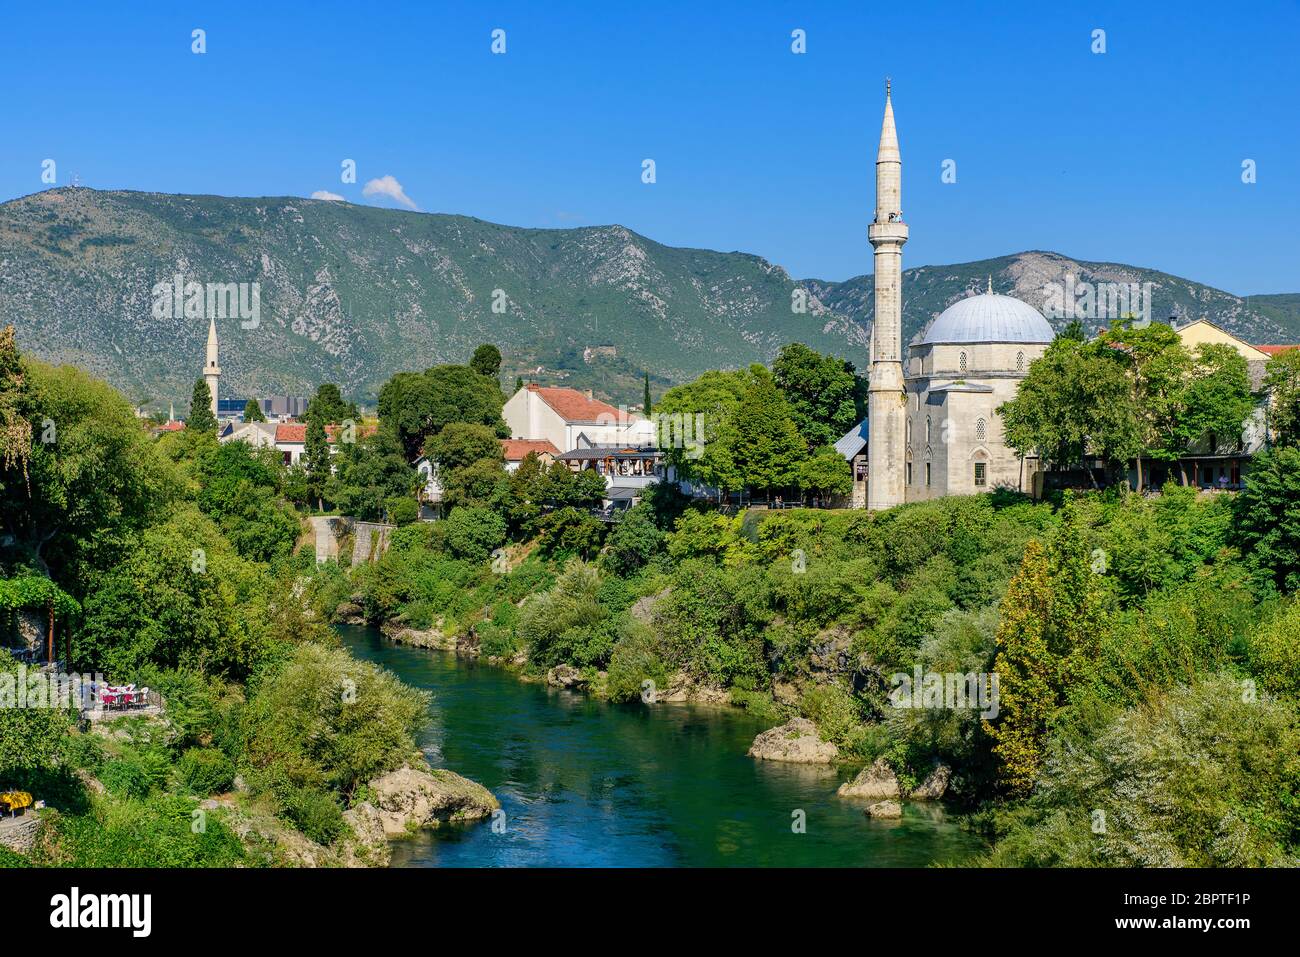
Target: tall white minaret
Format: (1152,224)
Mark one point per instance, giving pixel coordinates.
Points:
(886,399)
(212,371)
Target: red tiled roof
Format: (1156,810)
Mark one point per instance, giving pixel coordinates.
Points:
(362,431)
(169,427)
(574,406)
(1275,350)
(516,449)
(290,432)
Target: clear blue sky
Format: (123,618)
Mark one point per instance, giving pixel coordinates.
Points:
(1133,155)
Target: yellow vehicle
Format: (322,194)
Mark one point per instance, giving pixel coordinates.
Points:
(15,801)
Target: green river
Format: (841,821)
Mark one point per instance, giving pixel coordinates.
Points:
(586,783)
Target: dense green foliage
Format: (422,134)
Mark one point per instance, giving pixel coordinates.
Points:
(173,565)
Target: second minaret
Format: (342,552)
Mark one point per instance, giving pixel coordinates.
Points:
(886,400)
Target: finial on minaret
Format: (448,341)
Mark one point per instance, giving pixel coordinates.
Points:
(887,87)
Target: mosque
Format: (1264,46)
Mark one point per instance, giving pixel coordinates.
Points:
(932,427)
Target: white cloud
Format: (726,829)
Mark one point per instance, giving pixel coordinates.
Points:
(326,194)
(390,187)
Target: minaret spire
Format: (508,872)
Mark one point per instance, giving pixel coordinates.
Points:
(886,401)
(211,370)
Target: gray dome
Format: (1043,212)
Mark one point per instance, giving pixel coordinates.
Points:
(988,317)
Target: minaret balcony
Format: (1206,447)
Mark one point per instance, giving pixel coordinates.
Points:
(887,233)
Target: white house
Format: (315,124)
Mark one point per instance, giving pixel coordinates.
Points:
(570,419)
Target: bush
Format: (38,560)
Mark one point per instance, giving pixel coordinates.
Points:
(473,533)
(157,832)
(1198,777)
(136,774)
(634,542)
(568,625)
(403,510)
(325,720)
(639,656)
(1273,652)
(315,813)
(205,771)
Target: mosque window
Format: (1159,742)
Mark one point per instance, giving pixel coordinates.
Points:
(1020,362)
(961,362)
(909,473)
(927,474)
(980,430)
(981,475)
(927,434)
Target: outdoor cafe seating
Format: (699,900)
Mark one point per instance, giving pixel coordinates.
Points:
(122,698)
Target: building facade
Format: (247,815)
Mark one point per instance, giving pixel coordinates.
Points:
(569,419)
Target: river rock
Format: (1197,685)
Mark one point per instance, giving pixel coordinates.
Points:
(418,637)
(564,676)
(410,798)
(935,784)
(877,781)
(368,845)
(349,613)
(889,810)
(796,741)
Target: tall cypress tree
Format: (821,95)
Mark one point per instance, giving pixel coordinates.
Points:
(1025,669)
(316,455)
(201,418)
(645,403)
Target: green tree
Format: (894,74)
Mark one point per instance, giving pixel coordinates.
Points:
(759,446)
(370,473)
(1074,400)
(1268,516)
(417,405)
(486,361)
(633,544)
(1282,381)
(181,598)
(316,458)
(1024,667)
(691,416)
(201,418)
(1216,402)
(472,533)
(93,478)
(253,411)
(329,407)
(1156,367)
(826,473)
(645,400)
(821,391)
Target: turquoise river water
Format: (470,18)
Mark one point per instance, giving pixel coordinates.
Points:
(586,783)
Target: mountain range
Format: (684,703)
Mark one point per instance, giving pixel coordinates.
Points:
(351,294)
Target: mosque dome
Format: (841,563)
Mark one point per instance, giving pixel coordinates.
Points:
(988,317)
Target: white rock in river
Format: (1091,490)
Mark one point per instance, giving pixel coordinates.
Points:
(877,781)
(885,809)
(796,741)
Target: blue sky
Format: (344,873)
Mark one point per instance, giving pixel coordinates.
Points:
(1133,155)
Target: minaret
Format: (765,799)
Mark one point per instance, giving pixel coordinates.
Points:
(886,400)
(212,371)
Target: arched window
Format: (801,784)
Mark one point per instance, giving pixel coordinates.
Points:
(909,432)
(961,362)
(927,430)
(1020,362)
(980,430)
